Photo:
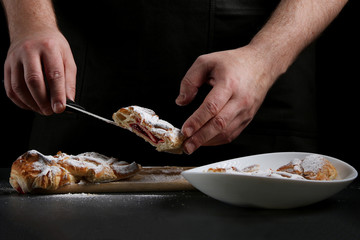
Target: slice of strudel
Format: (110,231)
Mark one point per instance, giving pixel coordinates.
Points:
(146,124)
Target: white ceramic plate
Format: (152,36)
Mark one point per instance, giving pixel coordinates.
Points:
(267,192)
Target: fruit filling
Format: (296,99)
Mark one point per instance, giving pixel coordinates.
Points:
(19,190)
(143,131)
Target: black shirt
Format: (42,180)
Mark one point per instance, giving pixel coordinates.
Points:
(136,53)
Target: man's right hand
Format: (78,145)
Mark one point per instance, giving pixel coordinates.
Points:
(40,72)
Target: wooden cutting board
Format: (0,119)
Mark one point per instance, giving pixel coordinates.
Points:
(148,179)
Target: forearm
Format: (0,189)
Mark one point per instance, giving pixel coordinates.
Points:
(26,16)
(293,25)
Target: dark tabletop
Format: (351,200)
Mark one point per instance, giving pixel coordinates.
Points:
(170,215)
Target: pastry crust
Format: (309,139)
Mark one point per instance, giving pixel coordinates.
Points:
(293,167)
(34,170)
(312,167)
(147,125)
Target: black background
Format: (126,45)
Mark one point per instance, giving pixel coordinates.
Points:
(337,78)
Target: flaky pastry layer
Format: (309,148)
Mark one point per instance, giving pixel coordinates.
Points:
(147,125)
(312,167)
(34,170)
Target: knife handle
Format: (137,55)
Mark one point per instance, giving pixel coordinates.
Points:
(72,103)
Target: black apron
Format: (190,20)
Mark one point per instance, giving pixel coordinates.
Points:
(136,53)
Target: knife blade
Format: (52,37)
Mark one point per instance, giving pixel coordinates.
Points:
(73,106)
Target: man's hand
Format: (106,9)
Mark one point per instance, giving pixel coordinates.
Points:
(240,81)
(242,77)
(40,72)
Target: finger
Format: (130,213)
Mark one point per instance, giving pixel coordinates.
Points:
(233,131)
(218,125)
(212,105)
(9,91)
(34,80)
(20,89)
(70,76)
(233,128)
(55,77)
(195,77)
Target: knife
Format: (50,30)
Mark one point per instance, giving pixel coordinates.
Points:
(73,106)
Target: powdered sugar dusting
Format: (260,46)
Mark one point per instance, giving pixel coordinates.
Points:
(43,164)
(297,165)
(88,160)
(151,119)
(313,163)
(145,123)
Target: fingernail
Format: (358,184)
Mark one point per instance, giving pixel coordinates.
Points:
(180,99)
(47,112)
(189,148)
(58,107)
